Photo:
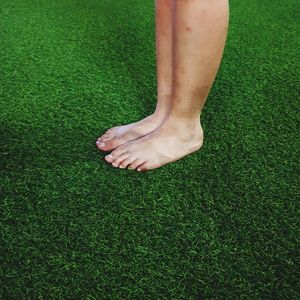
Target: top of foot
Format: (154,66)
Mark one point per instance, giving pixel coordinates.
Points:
(168,143)
(119,135)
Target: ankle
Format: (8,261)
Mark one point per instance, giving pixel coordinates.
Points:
(186,121)
(186,128)
(163,106)
(160,114)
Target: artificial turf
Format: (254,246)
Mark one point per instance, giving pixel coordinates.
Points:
(221,223)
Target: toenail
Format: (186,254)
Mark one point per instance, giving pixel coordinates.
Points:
(139,169)
(108,156)
(121,167)
(114,164)
(101,144)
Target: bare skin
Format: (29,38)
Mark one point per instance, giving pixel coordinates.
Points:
(119,135)
(199,30)
(159,147)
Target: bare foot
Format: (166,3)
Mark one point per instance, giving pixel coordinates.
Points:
(174,139)
(119,135)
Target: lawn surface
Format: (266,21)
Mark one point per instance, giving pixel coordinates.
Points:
(222,223)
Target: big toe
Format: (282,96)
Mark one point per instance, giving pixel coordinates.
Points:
(112,144)
(106,137)
(101,145)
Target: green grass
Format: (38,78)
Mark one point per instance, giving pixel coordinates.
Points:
(222,223)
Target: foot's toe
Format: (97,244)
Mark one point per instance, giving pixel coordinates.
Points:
(135,164)
(98,142)
(101,145)
(106,137)
(120,150)
(109,134)
(126,162)
(117,161)
(105,145)
(113,143)
(144,167)
(109,158)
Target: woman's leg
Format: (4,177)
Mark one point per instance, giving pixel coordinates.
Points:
(164,54)
(200,30)
(119,135)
